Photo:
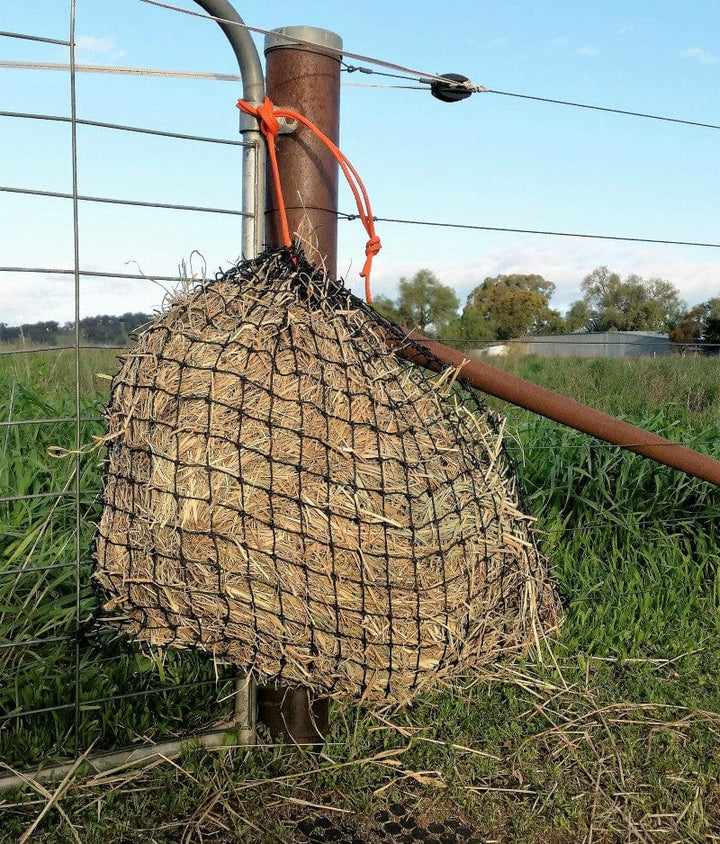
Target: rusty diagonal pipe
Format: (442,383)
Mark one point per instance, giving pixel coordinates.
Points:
(518,391)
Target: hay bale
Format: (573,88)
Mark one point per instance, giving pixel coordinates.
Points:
(285,493)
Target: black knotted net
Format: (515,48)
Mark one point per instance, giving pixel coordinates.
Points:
(286,493)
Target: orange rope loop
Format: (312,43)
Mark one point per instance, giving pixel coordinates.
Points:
(267,114)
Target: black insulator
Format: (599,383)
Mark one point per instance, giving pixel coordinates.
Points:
(450,93)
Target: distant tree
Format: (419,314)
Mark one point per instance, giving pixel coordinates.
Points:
(9,333)
(41,333)
(509,306)
(423,303)
(712,335)
(132,321)
(690,328)
(635,304)
(701,325)
(111,330)
(106,330)
(387,307)
(579,317)
(664,306)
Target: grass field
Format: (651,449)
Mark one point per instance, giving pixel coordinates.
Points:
(614,735)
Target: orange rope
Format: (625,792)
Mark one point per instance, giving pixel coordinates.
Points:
(268,114)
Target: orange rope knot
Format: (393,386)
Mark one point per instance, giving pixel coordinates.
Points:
(372,247)
(267,114)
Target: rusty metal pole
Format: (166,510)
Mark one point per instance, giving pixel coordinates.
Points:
(304,77)
(561,409)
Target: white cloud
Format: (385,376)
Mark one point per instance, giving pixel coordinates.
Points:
(92,44)
(695,272)
(587,50)
(699,55)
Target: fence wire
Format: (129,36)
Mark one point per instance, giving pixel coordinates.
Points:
(68,681)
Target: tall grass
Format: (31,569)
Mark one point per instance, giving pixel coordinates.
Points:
(56,660)
(614,737)
(686,389)
(633,547)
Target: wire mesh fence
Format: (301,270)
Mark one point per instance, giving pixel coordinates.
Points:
(68,683)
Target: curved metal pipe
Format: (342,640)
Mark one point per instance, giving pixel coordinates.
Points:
(243,46)
(253,164)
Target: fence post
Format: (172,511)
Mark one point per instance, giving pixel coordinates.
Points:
(304,75)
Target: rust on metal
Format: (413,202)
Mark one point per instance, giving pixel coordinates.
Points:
(307,80)
(291,712)
(304,77)
(516,390)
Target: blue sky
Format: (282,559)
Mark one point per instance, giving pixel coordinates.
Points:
(490,160)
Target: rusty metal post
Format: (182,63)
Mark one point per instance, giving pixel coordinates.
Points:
(305,77)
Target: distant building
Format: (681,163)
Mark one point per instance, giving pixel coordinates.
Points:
(605,344)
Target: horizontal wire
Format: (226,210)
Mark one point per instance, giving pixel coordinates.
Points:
(11,423)
(131,202)
(384,86)
(347,68)
(472,227)
(528,449)
(644,520)
(169,74)
(291,39)
(122,128)
(36,569)
(350,217)
(49,640)
(110,698)
(582,340)
(598,444)
(13,499)
(120,70)
(90,274)
(607,109)
(550,100)
(423,78)
(39,38)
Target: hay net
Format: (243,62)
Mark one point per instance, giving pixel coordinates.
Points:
(285,493)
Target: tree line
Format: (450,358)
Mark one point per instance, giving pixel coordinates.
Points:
(507,307)
(501,308)
(101,330)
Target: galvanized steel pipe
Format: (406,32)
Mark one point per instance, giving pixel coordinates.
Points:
(253,160)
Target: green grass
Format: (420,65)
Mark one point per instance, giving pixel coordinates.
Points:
(686,389)
(46,598)
(613,736)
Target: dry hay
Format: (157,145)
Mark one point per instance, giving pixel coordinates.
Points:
(285,493)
